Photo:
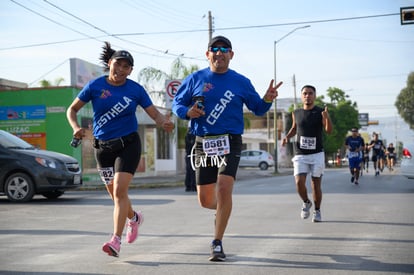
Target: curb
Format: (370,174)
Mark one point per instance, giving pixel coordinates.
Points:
(92,182)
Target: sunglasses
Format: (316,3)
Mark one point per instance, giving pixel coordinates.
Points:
(221,49)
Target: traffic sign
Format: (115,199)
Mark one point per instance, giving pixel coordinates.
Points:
(171,88)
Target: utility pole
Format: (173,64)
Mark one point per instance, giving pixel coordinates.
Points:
(294,92)
(275,134)
(210,26)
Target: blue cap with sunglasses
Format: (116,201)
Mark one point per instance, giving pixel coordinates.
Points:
(221,39)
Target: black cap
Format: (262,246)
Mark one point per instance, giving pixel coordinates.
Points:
(219,38)
(123,55)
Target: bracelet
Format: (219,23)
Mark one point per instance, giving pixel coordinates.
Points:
(267,101)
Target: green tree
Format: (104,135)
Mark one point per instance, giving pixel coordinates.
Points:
(46,83)
(154,80)
(405,101)
(344,116)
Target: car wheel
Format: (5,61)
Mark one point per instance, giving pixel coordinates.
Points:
(19,187)
(263,166)
(53,194)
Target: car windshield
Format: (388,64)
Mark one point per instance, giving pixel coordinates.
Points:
(12,142)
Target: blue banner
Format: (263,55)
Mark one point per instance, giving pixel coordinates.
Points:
(22,112)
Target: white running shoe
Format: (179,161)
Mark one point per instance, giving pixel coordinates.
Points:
(317,216)
(305,210)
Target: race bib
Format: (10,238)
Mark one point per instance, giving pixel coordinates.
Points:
(107,174)
(307,143)
(216,145)
(353,154)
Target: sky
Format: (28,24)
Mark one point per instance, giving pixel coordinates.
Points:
(357,46)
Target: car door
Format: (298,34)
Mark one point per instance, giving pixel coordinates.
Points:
(255,158)
(244,158)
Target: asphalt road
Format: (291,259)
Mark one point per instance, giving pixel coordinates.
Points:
(366,229)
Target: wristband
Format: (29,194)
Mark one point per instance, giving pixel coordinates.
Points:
(267,101)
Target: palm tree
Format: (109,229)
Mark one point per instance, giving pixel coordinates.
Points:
(154,79)
(46,83)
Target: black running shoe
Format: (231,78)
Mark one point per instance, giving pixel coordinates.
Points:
(352,179)
(217,253)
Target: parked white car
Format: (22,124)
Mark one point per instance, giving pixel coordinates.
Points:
(407,162)
(256,158)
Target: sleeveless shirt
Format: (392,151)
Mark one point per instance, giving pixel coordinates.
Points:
(309,129)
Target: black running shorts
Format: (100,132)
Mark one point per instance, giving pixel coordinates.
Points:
(125,159)
(208,168)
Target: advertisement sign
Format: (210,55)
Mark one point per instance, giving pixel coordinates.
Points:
(26,122)
(81,72)
(363,119)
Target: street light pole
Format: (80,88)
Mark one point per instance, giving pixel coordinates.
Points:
(275,101)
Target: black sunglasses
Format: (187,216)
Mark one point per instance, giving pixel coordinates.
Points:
(221,49)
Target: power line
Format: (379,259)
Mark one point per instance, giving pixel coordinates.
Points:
(265,26)
(99,29)
(88,36)
(42,76)
(78,18)
(53,21)
(46,43)
(182,31)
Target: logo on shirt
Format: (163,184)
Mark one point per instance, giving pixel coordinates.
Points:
(207,87)
(105,94)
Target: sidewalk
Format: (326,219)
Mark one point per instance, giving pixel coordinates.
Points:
(93,182)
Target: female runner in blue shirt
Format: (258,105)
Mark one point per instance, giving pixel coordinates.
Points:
(213,100)
(117,144)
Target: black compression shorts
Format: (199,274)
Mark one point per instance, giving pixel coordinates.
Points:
(124,159)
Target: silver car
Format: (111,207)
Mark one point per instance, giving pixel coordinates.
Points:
(256,158)
(407,162)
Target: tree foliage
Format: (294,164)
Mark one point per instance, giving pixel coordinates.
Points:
(154,80)
(46,83)
(405,101)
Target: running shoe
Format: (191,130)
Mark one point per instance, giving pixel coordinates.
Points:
(217,253)
(352,179)
(113,247)
(316,216)
(132,227)
(306,210)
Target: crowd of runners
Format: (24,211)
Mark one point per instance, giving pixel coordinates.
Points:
(360,153)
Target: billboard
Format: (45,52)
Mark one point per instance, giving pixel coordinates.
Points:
(81,72)
(363,119)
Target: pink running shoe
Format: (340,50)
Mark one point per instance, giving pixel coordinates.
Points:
(132,227)
(112,247)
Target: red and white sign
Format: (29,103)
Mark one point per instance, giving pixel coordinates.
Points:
(171,88)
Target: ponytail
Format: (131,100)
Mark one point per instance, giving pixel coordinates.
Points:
(106,55)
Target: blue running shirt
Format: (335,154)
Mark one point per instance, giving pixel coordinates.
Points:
(224,97)
(114,107)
